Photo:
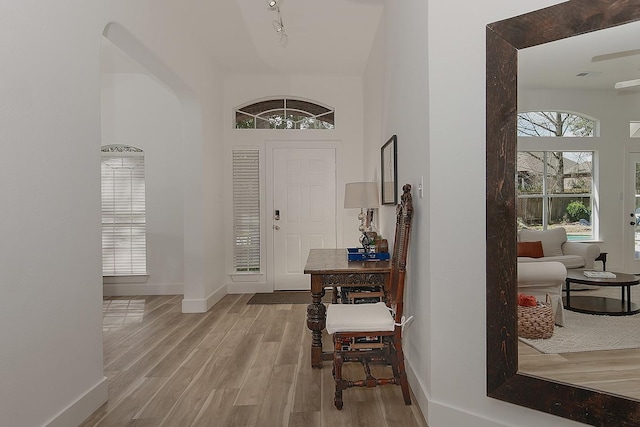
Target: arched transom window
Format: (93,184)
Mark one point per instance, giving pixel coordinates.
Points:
(284,113)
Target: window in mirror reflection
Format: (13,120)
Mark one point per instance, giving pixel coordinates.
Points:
(555,189)
(554,124)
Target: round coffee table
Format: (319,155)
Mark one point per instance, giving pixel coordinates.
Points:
(601,305)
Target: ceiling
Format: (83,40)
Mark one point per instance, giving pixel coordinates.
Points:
(332,37)
(335,37)
(608,56)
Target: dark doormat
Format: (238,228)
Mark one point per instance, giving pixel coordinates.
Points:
(286,297)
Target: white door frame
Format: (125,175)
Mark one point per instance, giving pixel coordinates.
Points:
(270,145)
(631,264)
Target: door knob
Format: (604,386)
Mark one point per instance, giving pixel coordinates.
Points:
(632,223)
(277,227)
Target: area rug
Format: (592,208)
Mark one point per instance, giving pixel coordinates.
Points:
(588,332)
(285,297)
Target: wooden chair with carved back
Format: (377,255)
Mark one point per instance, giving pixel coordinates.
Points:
(372,333)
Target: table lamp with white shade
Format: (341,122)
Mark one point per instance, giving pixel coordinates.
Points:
(363,195)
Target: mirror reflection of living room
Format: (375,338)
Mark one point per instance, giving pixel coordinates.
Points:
(572,311)
(543,259)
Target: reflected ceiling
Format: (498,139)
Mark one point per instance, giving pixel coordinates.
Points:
(608,56)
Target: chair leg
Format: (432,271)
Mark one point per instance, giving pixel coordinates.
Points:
(395,358)
(392,358)
(337,372)
(404,382)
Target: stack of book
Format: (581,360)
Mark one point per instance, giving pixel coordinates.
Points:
(361,294)
(364,343)
(599,274)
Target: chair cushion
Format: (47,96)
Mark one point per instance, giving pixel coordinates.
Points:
(359,318)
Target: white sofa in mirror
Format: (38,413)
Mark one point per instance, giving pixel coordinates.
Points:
(555,247)
(543,259)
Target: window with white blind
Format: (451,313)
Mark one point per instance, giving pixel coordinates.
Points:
(124,247)
(246,210)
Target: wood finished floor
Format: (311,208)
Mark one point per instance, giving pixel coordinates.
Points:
(237,365)
(611,371)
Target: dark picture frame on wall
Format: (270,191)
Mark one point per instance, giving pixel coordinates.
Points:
(389,171)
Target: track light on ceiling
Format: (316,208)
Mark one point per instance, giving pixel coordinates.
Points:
(277,23)
(284,39)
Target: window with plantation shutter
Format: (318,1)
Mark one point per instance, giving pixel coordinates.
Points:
(246,210)
(124,247)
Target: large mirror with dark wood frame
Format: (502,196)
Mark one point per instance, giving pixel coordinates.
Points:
(504,382)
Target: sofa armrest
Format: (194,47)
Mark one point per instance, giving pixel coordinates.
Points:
(541,273)
(589,251)
(543,278)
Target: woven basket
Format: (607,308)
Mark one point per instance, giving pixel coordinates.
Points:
(536,322)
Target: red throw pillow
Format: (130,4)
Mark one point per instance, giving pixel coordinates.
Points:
(530,249)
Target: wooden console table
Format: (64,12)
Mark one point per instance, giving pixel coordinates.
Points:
(329,268)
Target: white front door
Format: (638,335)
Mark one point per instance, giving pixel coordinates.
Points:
(632,214)
(302,213)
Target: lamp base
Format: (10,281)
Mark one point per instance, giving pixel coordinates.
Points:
(367,240)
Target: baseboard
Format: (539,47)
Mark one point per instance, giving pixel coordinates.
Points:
(445,415)
(83,407)
(437,414)
(247,288)
(419,401)
(203,305)
(418,389)
(128,289)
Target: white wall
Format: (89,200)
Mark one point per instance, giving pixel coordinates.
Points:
(376,130)
(614,113)
(50,264)
(344,94)
(50,268)
(434,100)
(396,88)
(138,111)
(154,35)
